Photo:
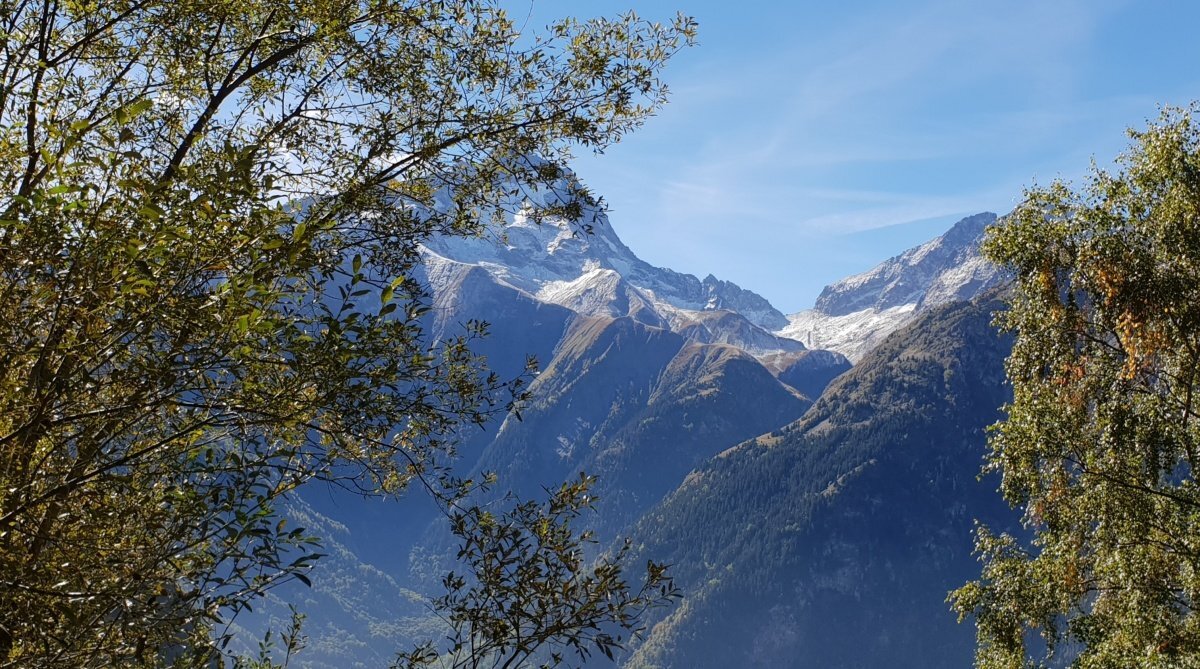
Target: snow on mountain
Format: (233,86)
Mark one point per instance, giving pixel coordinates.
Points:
(851,334)
(852,315)
(555,262)
(597,275)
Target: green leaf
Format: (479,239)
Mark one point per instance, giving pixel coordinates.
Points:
(150,211)
(131,111)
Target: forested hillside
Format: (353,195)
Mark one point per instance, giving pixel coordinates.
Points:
(834,541)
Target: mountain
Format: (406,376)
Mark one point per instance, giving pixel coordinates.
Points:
(595,274)
(644,375)
(645,372)
(639,407)
(832,542)
(724,438)
(856,313)
(585,267)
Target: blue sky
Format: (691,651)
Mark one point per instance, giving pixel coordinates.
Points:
(808,140)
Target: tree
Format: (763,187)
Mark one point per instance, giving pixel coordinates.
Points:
(209,225)
(1101,442)
(528,594)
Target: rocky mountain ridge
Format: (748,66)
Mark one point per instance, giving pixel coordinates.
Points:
(595,274)
(856,313)
(650,379)
(831,542)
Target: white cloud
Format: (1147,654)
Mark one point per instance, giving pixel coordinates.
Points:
(905,112)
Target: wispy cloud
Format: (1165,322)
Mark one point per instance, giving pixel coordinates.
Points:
(901,210)
(872,117)
(866,96)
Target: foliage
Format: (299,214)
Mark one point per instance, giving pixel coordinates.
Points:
(1101,440)
(289,642)
(210,215)
(528,595)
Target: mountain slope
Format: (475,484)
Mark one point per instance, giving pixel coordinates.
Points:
(648,375)
(833,542)
(357,616)
(856,313)
(639,407)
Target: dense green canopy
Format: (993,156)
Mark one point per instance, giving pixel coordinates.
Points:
(1102,440)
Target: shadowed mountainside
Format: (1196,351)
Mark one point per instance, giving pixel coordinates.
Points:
(834,541)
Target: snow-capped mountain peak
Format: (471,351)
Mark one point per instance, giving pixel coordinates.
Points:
(852,315)
(947,265)
(593,272)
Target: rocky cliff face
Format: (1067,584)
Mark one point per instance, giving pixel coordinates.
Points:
(941,270)
(594,273)
(856,313)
